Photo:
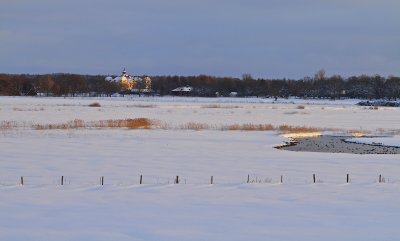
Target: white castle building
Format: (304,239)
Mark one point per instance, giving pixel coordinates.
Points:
(133,84)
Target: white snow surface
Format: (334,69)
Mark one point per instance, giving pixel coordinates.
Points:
(384,140)
(230,209)
(181,110)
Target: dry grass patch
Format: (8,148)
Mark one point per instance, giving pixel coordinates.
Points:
(35,109)
(138,123)
(195,126)
(363,132)
(8,125)
(75,124)
(291,112)
(269,127)
(251,127)
(142,106)
(95,104)
(144,123)
(221,106)
(248,127)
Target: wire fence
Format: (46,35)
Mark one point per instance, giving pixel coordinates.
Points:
(157,180)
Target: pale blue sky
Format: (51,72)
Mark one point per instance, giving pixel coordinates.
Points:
(270,39)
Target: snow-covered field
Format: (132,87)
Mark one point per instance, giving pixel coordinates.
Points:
(230,209)
(181,110)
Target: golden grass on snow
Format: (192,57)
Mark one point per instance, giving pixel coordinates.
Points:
(145,123)
(138,123)
(248,127)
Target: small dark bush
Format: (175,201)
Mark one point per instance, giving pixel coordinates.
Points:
(95,104)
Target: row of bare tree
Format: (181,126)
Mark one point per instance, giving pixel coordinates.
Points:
(56,85)
(319,86)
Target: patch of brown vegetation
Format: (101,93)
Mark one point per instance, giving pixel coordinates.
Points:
(252,127)
(195,126)
(221,106)
(138,123)
(291,112)
(248,127)
(144,123)
(95,104)
(75,124)
(359,131)
(142,106)
(8,125)
(35,109)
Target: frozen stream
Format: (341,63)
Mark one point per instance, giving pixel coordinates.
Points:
(339,144)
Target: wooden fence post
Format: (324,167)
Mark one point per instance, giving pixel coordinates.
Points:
(62,180)
(281,179)
(22,180)
(177,180)
(380,178)
(348,178)
(248,178)
(102,180)
(212,179)
(141,179)
(314,177)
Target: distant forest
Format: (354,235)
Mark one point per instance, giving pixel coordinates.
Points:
(319,86)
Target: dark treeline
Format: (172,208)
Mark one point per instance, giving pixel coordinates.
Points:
(56,85)
(319,86)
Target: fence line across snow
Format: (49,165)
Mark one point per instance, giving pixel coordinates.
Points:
(64,180)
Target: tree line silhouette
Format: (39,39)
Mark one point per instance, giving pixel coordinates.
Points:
(319,86)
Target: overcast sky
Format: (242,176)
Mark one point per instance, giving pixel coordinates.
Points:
(270,39)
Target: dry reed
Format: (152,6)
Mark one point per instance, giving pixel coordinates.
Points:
(30,109)
(8,125)
(138,123)
(248,127)
(195,126)
(142,106)
(144,123)
(221,106)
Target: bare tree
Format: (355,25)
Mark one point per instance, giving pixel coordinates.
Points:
(320,75)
